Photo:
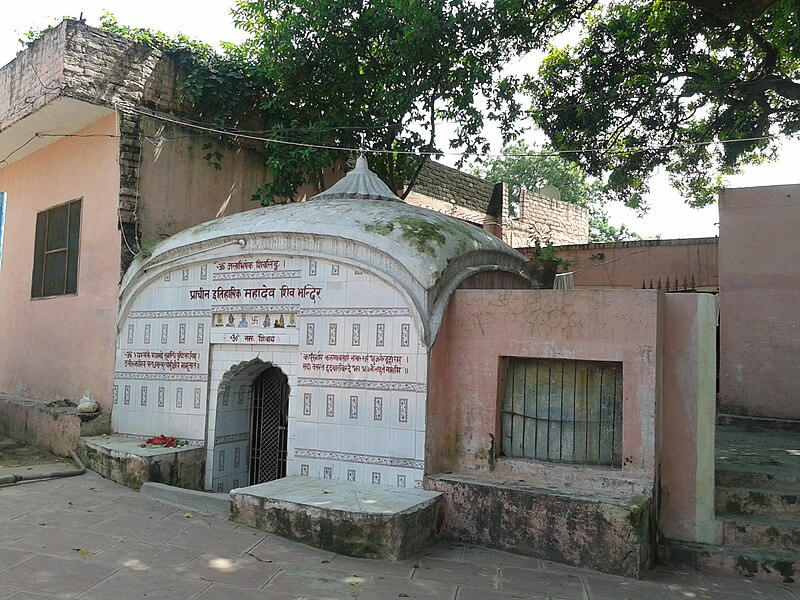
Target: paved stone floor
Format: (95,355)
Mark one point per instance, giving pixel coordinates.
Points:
(86,537)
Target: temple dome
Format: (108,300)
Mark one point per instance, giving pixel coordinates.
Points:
(425,253)
(359,184)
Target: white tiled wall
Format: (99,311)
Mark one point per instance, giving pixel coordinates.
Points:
(348,418)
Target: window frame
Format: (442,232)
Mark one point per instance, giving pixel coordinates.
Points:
(41,286)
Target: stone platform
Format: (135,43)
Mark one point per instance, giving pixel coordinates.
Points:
(599,531)
(344,517)
(57,426)
(120,459)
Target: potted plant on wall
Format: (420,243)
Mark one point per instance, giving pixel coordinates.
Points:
(544,265)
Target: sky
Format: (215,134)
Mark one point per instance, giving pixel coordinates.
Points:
(210,22)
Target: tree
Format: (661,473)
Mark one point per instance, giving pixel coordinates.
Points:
(525,169)
(698,88)
(376,74)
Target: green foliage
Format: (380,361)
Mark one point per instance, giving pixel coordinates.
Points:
(651,83)
(382,69)
(529,170)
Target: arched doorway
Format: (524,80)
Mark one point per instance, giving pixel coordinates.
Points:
(269,420)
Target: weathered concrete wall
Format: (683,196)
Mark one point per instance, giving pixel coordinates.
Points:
(481,327)
(179,189)
(689,411)
(636,264)
(591,531)
(759,283)
(58,428)
(32,79)
(545,220)
(61,347)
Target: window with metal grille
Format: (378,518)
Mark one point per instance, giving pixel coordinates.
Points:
(55,254)
(566,411)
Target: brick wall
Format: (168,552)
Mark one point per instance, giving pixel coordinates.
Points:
(454,186)
(545,220)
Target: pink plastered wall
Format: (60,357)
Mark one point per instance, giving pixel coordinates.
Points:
(686,446)
(61,347)
(482,327)
(759,316)
(631,264)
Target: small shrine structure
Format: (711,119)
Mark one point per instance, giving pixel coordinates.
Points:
(295,339)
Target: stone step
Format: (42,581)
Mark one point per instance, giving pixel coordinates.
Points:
(729,501)
(765,479)
(748,562)
(765,532)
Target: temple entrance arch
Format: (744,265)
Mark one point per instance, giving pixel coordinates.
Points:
(269,426)
(248,423)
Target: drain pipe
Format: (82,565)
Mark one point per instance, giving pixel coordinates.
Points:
(12,479)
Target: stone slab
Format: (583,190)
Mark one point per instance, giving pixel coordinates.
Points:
(120,459)
(606,534)
(345,517)
(207,503)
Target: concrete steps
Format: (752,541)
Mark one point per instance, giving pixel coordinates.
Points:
(757,501)
(749,531)
(747,562)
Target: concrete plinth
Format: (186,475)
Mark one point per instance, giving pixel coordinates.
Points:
(603,533)
(54,426)
(120,459)
(345,517)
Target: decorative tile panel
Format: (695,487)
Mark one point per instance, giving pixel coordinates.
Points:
(115,394)
(380,334)
(366,459)
(309,334)
(376,478)
(332,334)
(351,474)
(377,413)
(306,405)
(405,335)
(147,333)
(197,398)
(329,405)
(130,333)
(353,407)
(221,455)
(201,330)
(356,341)
(304,470)
(161,394)
(203,271)
(164,333)
(403,410)
(237,458)
(360,384)
(182,333)
(127,396)
(179,398)
(327,472)
(185,275)
(312,267)
(401,481)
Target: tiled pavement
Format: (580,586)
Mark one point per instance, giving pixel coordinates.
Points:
(85,537)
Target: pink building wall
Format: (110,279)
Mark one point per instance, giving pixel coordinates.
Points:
(759,316)
(480,327)
(687,434)
(61,347)
(628,264)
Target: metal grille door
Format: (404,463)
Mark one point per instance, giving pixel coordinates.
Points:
(270,415)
